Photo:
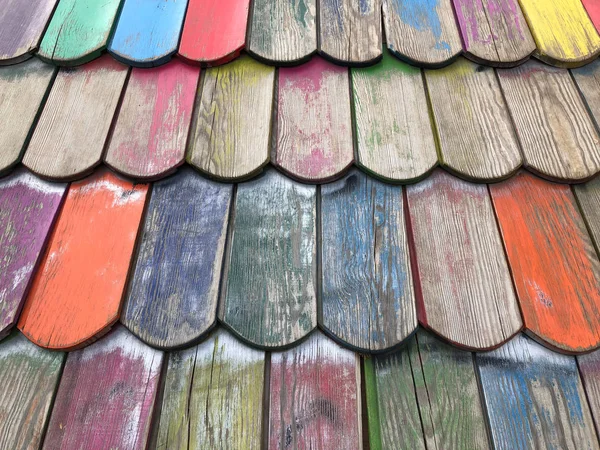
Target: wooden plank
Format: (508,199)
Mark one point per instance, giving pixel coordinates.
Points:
(494,31)
(314,121)
(589,368)
(563,32)
(23,89)
(553,262)
(422,33)
(315,397)
(367,295)
(76,293)
(147,32)
(588,200)
(79,31)
(230,133)
(558,138)
(593,9)
(394,137)
(28,378)
(172,297)
(269,290)
(106,395)
(69,138)
(467,292)
(283,32)
(28,207)
(214,31)
(150,134)
(21,27)
(426,394)
(349,31)
(213,395)
(534,398)
(476,135)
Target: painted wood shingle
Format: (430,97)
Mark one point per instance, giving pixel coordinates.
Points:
(76,293)
(21,27)
(467,292)
(213,397)
(564,34)
(494,31)
(425,396)
(147,31)
(589,368)
(593,9)
(422,32)
(106,395)
(214,31)
(28,379)
(350,31)
(557,135)
(587,79)
(172,297)
(534,398)
(230,132)
(553,262)
(588,200)
(69,138)
(269,290)
(283,32)
(476,135)
(28,207)
(78,31)
(367,297)
(152,127)
(23,90)
(315,397)
(394,137)
(314,123)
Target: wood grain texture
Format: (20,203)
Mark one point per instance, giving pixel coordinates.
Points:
(69,138)
(563,32)
(315,400)
(466,286)
(147,32)
(106,396)
(213,397)
(173,293)
(553,262)
(214,31)
(426,395)
(21,27)
(534,398)
(230,132)
(76,293)
(28,378)
(589,368)
(269,290)
(28,207)
(394,137)
(494,31)
(593,9)
(149,137)
(557,135)
(476,135)
(314,121)
(23,89)
(78,31)
(588,200)
(367,295)
(350,31)
(283,32)
(423,33)
(587,79)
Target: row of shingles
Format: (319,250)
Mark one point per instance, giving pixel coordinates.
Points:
(431,395)
(121,393)
(312,120)
(149,33)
